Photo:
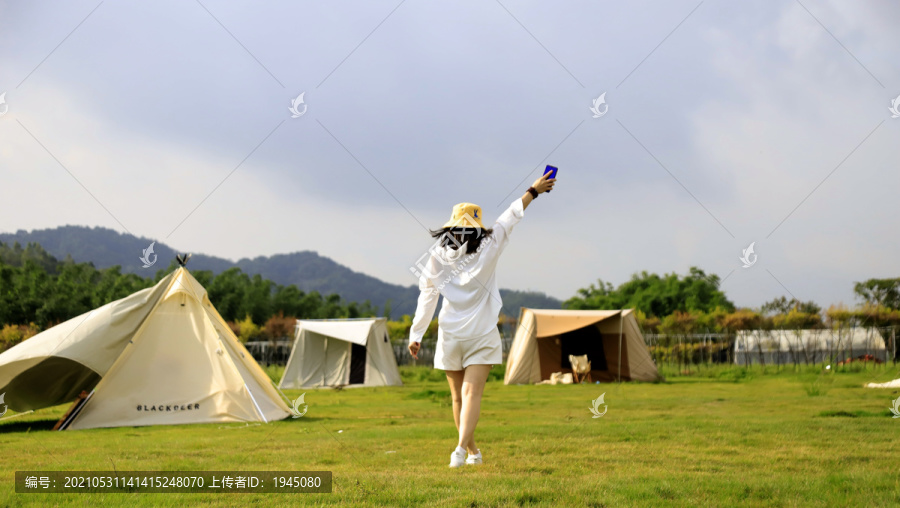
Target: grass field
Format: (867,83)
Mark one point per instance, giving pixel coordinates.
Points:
(721,436)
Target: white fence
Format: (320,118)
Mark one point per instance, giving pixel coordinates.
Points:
(772,347)
(775,347)
(267,353)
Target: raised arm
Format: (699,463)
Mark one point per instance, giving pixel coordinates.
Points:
(504,225)
(541,185)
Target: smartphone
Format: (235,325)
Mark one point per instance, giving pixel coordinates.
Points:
(552,170)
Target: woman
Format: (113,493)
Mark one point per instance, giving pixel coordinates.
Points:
(461,267)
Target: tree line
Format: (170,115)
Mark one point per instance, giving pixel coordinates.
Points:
(685,310)
(694,303)
(37,291)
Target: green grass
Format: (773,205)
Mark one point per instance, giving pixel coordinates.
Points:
(719,436)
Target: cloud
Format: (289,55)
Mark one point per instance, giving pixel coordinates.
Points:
(747,107)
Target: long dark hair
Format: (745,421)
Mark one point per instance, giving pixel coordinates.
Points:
(454,237)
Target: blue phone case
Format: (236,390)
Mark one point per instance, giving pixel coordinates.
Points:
(551,169)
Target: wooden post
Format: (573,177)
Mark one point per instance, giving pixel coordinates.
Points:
(72,409)
(894,342)
(621,323)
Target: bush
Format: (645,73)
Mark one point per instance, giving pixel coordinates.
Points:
(279,327)
(275,372)
(399,330)
(418,374)
(497,373)
(248,330)
(10,335)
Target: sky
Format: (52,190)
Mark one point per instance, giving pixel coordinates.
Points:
(724,124)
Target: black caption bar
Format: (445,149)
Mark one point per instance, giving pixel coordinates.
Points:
(156,482)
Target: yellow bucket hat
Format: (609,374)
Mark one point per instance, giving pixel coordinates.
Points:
(465,215)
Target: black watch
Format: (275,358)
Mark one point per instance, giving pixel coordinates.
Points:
(533,192)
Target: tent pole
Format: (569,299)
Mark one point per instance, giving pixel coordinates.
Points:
(76,411)
(325,361)
(258,410)
(621,322)
(17,415)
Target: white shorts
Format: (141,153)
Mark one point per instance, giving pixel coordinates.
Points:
(454,353)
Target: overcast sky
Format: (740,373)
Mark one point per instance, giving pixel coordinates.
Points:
(727,123)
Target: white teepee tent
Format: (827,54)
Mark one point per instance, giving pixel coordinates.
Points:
(161,356)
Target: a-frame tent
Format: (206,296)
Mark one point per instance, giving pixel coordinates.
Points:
(161,356)
(612,340)
(341,352)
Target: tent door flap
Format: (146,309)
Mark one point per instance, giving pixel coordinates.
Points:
(357,364)
(583,341)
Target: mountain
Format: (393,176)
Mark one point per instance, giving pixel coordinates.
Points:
(307,269)
(106,247)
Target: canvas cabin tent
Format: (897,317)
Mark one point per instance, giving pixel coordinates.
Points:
(611,339)
(161,356)
(341,352)
(774,347)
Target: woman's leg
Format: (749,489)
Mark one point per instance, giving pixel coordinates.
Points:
(472,388)
(455,380)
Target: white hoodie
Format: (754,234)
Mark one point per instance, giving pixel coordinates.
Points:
(467,281)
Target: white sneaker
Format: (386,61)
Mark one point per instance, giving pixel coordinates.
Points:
(474,460)
(458,457)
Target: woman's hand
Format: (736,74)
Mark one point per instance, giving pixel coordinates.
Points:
(544,183)
(414,349)
(541,185)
